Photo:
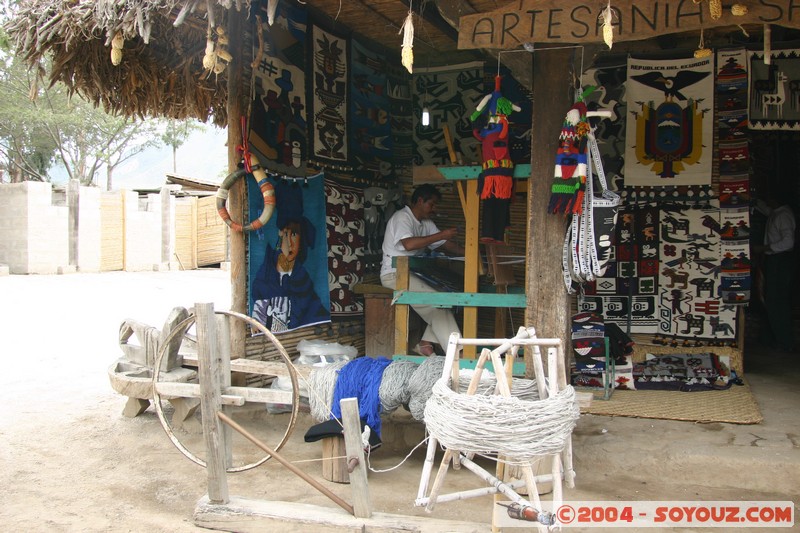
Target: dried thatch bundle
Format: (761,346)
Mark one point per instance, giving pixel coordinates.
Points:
(158,45)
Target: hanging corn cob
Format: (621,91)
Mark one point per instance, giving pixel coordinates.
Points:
(117,44)
(407,49)
(715,8)
(607,15)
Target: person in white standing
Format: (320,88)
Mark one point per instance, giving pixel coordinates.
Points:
(411,232)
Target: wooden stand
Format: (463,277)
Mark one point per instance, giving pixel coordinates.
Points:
(334,460)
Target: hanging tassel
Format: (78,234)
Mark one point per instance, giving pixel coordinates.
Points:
(407,49)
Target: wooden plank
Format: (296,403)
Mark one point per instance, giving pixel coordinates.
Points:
(472,172)
(230,395)
(518,369)
(209,372)
(247,515)
(351,425)
(254,366)
(551,21)
(463,299)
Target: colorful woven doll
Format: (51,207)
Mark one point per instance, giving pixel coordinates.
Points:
(495,183)
(569,183)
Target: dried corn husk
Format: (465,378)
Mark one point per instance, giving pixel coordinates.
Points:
(407,49)
(738,10)
(715,8)
(607,14)
(117,44)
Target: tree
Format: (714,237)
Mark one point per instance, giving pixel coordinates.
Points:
(176,133)
(42,126)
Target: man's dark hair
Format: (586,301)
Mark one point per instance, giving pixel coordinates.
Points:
(426,192)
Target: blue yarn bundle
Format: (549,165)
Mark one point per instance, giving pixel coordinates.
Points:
(361,379)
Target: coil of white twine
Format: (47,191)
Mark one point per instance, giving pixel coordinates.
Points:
(393,391)
(321,383)
(518,429)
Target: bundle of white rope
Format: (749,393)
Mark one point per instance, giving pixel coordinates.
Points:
(421,383)
(321,383)
(515,428)
(524,389)
(393,391)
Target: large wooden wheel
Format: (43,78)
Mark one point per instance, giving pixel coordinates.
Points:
(231,395)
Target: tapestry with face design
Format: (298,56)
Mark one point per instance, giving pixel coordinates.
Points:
(288,257)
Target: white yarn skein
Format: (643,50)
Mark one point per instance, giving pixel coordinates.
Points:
(518,429)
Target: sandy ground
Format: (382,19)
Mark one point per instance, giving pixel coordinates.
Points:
(70,461)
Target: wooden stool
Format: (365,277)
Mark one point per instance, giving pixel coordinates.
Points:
(334,460)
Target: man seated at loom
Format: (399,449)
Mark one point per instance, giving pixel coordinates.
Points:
(411,232)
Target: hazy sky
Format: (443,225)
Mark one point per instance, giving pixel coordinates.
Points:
(203,156)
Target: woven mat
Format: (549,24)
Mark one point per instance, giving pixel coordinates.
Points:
(735,405)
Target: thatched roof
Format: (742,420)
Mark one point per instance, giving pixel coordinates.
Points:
(161,73)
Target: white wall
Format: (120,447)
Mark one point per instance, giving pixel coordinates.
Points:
(89,230)
(35,235)
(142,231)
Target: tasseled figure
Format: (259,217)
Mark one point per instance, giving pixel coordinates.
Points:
(495,183)
(569,183)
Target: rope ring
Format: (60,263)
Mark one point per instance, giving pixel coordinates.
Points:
(267,193)
(182,328)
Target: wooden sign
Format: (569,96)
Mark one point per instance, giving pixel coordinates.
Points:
(552,21)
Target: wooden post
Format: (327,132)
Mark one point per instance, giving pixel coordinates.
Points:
(471,262)
(548,303)
(237,205)
(401,310)
(210,374)
(351,423)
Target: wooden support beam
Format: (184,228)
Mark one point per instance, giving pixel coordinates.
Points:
(217,446)
(351,426)
(548,302)
(237,204)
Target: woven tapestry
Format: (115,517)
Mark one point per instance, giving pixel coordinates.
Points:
(609,94)
(734,178)
(328,100)
(627,293)
(370,115)
(689,288)
(401,104)
(345,220)
(774,102)
(451,94)
(288,257)
(670,126)
(278,132)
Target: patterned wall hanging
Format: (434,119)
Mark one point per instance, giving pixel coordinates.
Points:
(451,94)
(670,122)
(345,221)
(774,100)
(627,293)
(689,287)
(731,85)
(278,131)
(328,99)
(288,257)
(371,147)
(610,132)
(401,105)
